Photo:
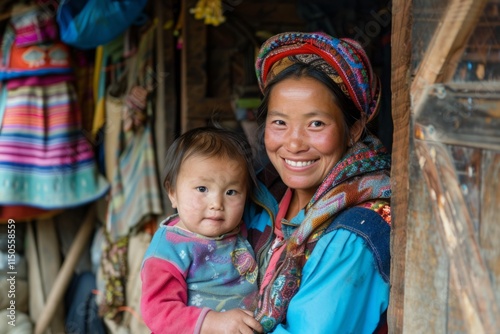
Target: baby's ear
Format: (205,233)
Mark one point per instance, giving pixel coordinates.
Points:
(173,198)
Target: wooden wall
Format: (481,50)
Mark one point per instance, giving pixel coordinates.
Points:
(217,62)
(445,267)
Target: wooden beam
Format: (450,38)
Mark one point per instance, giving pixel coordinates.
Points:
(166,112)
(194,58)
(446,47)
(266,13)
(400,86)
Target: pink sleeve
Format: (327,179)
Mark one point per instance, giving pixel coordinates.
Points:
(164,298)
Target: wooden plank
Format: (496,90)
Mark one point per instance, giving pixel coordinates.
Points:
(218,72)
(400,86)
(268,13)
(467,163)
(469,274)
(50,263)
(427,266)
(193,75)
(447,45)
(489,230)
(463,114)
(451,132)
(36,293)
(206,110)
(166,96)
(439,294)
(65,274)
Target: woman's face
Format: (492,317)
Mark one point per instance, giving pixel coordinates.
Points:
(304,132)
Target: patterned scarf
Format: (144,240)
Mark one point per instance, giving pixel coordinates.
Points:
(362,175)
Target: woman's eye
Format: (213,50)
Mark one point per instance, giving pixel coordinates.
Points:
(231,192)
(201,189)
(278,122)
(317,124)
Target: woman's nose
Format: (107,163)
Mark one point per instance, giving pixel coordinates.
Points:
(295,141)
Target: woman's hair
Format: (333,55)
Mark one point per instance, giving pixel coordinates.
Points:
(211,141)
(302,70)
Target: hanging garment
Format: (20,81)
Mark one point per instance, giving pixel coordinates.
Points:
(135,197)
(135,192)
(86,24)
(36,60)
(135,189)
(36,24)
(45,161)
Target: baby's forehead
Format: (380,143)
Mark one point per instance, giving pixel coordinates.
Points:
(213,170)
(215,156)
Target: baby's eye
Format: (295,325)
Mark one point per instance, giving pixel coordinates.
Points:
(317,124)
(231,192)
(202,189)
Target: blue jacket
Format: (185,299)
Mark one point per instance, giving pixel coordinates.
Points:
(345,281)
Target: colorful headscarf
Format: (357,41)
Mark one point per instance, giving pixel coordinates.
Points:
(343,60)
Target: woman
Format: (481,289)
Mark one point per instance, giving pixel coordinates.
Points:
(320,225)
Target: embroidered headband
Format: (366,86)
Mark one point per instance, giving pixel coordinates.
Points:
(343,60)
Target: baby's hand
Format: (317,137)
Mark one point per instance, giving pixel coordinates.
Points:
(230,322)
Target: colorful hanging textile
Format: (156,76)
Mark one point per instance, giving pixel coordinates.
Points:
(135,189)
(135,192)
(22,56)
(45,159)
(135,197)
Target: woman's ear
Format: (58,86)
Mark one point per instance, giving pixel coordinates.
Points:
(356,130)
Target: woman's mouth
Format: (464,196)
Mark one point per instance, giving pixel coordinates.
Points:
(299,163)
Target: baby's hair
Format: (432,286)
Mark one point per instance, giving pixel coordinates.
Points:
(209,141)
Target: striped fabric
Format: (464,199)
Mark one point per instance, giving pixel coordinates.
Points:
(45,159)
(135,191)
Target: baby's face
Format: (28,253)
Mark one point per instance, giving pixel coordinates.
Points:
(210,195)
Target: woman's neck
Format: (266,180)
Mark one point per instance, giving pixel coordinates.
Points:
(299,201)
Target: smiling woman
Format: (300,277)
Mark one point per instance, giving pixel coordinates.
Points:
(318,225)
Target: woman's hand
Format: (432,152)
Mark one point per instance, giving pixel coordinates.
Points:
(230,322)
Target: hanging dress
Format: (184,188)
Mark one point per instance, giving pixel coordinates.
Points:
(46,160)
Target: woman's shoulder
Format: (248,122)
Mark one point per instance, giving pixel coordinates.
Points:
(368,226)
(369,218)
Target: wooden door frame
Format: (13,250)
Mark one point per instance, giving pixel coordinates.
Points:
(437,65)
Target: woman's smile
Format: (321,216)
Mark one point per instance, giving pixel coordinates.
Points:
(298,163)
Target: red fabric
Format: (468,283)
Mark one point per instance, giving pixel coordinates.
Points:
(34,57)
(164,300)
(22,213)
(273,262)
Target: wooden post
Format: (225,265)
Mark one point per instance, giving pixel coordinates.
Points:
(400,87)
(66,272)
(193,74)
